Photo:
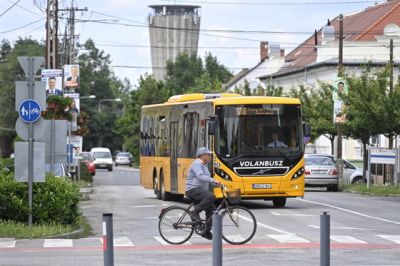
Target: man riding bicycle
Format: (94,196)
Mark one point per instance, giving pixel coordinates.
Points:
(197,188)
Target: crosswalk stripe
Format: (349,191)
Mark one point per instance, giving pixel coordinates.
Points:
(121,241)
(164,243)
(393,238)
(288,238)
(347,239)
(57,243)
(7,244)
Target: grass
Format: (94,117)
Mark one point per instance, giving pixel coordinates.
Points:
(376,190)
(18,230)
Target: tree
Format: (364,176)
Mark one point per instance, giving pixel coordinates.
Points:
(10,71)
(149,91)
(98,79)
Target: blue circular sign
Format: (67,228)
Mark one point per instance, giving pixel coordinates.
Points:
(29,111)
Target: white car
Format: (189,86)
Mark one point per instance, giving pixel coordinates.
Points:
(102,158)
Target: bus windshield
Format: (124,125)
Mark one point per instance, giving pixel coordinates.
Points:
(256,130)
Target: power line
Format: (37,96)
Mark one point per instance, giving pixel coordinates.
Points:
(276,3)
(26,25)
(30,11)
(5,11)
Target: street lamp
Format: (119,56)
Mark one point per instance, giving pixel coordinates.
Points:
(107,100)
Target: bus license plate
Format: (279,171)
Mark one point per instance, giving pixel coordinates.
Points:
(262,186)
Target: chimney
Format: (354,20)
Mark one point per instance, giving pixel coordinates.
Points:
(282,52)
(263,51)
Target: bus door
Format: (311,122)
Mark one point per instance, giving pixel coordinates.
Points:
(174,155)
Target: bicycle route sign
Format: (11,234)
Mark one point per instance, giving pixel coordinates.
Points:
(29,111)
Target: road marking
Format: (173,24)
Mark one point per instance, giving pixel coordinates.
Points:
(347,239)
(150,217)
(164,243)
(350,211)
(121,241)
(393,238)
(342,228)
(147,206)
(288,238)
(7,244)
(57,243)
(292,214)
(266,226)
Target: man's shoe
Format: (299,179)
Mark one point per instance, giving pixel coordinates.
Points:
(195,216)
(207,235)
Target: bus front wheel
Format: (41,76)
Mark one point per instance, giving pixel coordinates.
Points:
(279,202)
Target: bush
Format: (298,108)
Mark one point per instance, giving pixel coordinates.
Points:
(54,201)
(6,165)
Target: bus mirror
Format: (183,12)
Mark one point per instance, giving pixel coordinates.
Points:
(307,130)
(211,127)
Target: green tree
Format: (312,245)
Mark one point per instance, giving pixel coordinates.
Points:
(98,79)
(149,91)
(10,71)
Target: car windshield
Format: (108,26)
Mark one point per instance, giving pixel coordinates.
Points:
(86,156)
(123,154)
(58,169)
(101,154)
(258,130)
(320,161)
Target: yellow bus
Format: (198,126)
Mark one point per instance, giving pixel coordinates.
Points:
(258,144)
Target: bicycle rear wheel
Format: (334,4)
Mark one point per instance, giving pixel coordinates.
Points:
(238,225)
(175,225)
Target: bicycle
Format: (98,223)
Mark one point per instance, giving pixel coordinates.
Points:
(239,225)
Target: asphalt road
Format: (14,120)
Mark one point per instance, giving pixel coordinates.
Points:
(364,231)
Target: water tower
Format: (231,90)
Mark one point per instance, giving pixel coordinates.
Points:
(173,29)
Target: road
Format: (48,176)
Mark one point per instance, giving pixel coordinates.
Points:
(365,230)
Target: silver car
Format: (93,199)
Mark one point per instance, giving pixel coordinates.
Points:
(352,174)
(123,158)
(320,171)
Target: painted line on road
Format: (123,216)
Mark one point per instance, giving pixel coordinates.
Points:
(57,243)
(266,226)
(347,239)
(7,244)
(312,245)
(165,243)
(350,211)
(147,206)
(121,241)
(292,214)
(342,228)
(393,238)
(288,238)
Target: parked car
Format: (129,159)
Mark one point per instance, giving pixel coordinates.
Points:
(102,158)
(88,160)
(352,174)
(60,169)
(320,171)
(123,158)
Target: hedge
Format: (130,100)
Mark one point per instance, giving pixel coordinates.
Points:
(54,201)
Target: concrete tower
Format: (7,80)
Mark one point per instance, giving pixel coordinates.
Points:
(173,29)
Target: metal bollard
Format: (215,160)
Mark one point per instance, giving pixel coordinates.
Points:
(108,240)
(217,239)
(325,239)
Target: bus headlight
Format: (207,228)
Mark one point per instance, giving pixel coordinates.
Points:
(222,174)
(298,173)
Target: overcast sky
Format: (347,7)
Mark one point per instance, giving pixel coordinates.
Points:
(128,45)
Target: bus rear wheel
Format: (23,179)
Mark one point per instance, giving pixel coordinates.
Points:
(156,187)
(165,196)
(279,202)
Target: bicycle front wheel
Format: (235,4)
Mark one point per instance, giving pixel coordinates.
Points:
(175,225)
(238,225)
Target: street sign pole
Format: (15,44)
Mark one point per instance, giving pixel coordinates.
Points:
(30,140)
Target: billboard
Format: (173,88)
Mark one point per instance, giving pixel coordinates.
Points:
(340,88)
(71,77)
(53,79)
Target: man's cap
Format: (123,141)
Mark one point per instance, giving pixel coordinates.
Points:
(203,150)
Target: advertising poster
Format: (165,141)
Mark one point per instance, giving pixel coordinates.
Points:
(53,79)
(339,88)
(71,77)
(75,109)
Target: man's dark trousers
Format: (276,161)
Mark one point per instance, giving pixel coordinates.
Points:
(205,199)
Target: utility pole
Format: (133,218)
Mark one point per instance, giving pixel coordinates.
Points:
(69,36)
(51,34)
(338,125)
